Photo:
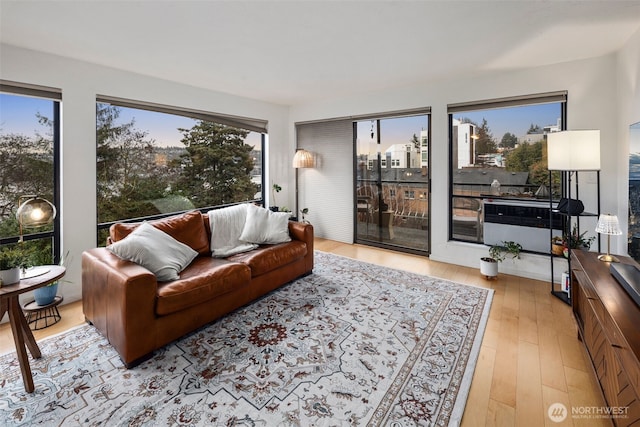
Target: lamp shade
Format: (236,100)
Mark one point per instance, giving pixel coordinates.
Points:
(303,159)
(35,212)
(573,150)
(608,224)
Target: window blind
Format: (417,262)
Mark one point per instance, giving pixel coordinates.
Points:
(256,125)
(26,89)
(540,98)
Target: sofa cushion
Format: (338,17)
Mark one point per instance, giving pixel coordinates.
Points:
(271,257)
(265,227)
(203,280)
(155,250)
(187,228)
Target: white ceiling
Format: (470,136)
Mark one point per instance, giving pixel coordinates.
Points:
(291,52)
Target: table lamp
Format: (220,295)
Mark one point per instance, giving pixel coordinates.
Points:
(34,212)
(608,224)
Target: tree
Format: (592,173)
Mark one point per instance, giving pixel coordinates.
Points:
(485,144)
(217,167)
(128,178)
(534,129)
(509,140)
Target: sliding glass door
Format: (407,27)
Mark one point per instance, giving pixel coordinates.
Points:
(392,182)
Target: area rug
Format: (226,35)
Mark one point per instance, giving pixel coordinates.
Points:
(351,344)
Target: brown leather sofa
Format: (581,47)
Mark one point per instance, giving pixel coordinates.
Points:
(138,314)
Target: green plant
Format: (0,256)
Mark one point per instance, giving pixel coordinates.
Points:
(577,240)
(304,212)
(500,251)
(15,255)
(275,188)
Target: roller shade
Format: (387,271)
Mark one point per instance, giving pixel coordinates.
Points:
(26,89)
(540,98)
(255,125)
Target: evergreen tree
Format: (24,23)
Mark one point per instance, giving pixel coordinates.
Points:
(217,167)
(485,143)
(509,140)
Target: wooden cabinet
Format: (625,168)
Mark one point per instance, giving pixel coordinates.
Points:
(609,326)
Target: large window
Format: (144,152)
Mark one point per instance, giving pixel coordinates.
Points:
(29,164)
(392,191)
(154,161)
(498,151)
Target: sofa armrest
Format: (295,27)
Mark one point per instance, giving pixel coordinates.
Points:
(304,232)
(119,298)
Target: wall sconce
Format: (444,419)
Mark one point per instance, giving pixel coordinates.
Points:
(573,150)
(34,212)
(608,224)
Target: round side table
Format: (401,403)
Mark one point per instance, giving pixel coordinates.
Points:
(42,316)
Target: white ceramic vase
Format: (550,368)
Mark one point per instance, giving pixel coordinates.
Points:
(11,276)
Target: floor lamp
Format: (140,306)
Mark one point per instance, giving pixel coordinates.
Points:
(302,159)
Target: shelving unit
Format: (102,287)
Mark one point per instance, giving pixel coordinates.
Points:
(567,224)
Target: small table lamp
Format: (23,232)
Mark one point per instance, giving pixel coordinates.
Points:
(608,224)
(34,212)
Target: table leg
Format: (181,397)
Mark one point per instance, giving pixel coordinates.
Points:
(4,307)
(18,321)
(28,335)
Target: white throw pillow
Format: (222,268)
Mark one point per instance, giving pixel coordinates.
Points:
(156,251)
(263,226)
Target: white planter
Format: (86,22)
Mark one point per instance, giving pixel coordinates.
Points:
(488,267)
(11,276)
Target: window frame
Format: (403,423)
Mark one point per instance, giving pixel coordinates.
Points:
(246,123)
(495,103)
(55,96)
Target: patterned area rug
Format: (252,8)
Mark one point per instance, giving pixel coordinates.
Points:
(351,344)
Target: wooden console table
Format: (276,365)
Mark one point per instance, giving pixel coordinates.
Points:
(609,326)
(21,333)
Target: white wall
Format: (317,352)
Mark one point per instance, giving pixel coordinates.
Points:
(604,93)
(592,104)
(80,82)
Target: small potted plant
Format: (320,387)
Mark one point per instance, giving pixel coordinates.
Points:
(577,240)
(13,258)
(498,253)
(303,212)
(47,294)
(275,188)
(557,245)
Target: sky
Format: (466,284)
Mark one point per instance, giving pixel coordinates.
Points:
(17,115)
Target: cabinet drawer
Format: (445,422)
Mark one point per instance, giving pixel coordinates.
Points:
(631,366)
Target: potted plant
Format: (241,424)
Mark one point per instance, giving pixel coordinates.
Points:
(577,240)
(303,212)
(46,294)
(557,245)
(275,188)
(13,258)
(498,253)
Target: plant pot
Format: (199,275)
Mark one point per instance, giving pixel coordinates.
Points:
(46,294)
(557,249)
(488,267)
(10,276)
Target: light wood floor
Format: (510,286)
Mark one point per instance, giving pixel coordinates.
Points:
(530,356)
